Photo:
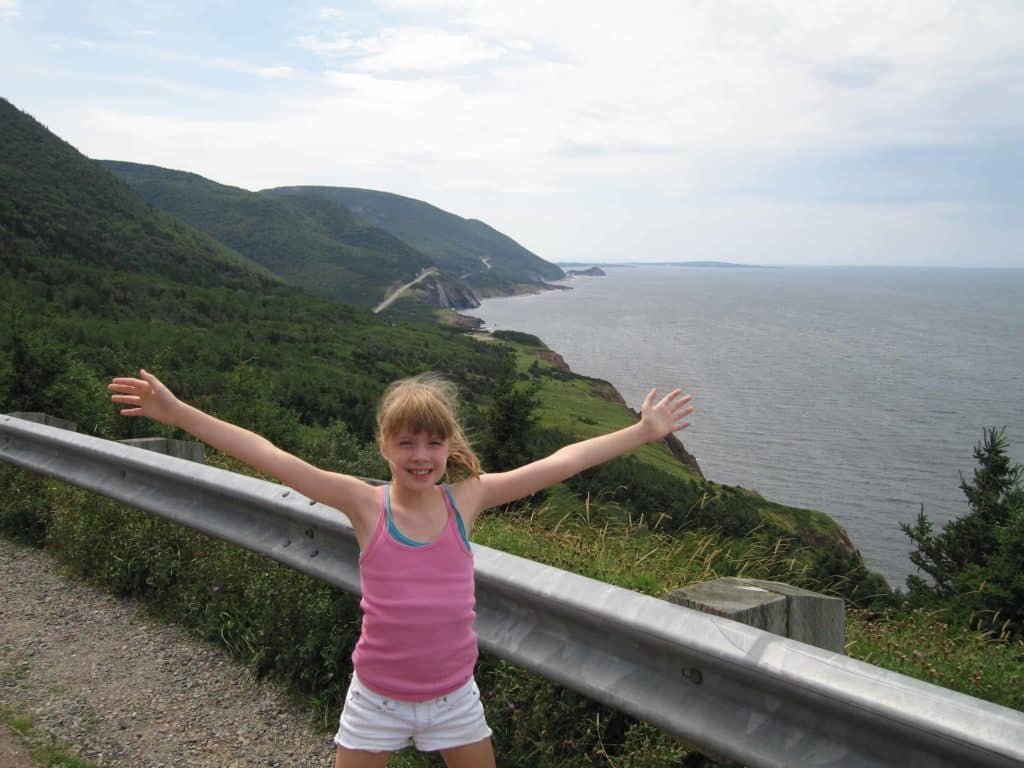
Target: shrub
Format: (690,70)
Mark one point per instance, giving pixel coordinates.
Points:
(976,564)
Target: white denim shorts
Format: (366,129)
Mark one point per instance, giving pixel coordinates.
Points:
(374,723)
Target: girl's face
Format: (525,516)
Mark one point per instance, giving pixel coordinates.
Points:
(417,460)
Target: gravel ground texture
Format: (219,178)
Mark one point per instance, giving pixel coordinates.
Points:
(120,689)
(13,753)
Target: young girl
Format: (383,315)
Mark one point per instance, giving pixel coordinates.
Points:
(412,683)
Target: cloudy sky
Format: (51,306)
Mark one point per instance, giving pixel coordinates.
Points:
(825,132)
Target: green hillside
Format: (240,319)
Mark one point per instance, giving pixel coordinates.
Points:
(95,282)
(308,240)
(55,201)
(493,263)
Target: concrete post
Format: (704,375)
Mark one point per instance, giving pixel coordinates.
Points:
(779,608)
(45,418)
(183,449)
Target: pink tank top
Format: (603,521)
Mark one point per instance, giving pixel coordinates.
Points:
(417,640)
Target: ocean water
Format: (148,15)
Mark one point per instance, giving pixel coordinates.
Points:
(857,391)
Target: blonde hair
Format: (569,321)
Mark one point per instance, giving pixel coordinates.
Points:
(428,403)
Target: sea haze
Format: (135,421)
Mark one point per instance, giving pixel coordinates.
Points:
(857,391)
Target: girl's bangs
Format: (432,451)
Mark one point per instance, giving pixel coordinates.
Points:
(418,414)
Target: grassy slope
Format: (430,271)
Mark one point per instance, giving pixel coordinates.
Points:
(96,282)
(920,644)
(579,406)
(49,191)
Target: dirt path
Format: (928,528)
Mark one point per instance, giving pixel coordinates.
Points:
(390,298)
(121,690)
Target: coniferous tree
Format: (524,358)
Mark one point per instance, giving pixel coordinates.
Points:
(509,421)
(975,563)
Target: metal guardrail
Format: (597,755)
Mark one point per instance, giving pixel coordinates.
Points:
(728,689)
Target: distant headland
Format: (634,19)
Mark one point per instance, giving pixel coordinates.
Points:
(574,265)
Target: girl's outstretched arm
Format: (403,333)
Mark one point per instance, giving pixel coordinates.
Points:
(657,420)
(147,396)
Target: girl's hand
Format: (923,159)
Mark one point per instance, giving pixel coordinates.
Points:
(145,397)
(667,416)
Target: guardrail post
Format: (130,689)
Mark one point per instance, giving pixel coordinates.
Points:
(779,608)
(45,418)
(183,449)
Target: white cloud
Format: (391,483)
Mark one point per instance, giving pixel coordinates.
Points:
(410,49)
(239,65)
(325,47)
(186,91)
(149,53)
(327,12)
(10,8)
(423,49)
(731,73)
(275,73)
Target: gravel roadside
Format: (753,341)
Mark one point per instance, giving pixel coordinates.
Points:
(120,689)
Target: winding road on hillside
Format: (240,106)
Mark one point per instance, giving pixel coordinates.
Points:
(391,297)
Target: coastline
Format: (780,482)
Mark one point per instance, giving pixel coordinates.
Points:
(470,323)
(605,388)
(801,520)
(817,385)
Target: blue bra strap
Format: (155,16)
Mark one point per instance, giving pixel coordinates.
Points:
(401,538)
(396,534)
(458,516)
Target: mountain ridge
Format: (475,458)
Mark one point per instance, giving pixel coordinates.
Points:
(489,260)
(313,238)
(308,241)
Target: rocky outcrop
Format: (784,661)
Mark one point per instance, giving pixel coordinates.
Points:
(451,294)
(550,356)
(606,391)
(467,323)
(676,448)
(591,272)
(672,442)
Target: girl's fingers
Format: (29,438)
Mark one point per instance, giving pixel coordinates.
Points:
(122,389)
(670,397)
(649,399)
(675,400)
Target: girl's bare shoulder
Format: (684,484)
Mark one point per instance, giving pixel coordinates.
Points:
(468,495)
(351,495)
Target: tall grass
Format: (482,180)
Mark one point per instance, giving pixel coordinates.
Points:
(607,544)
